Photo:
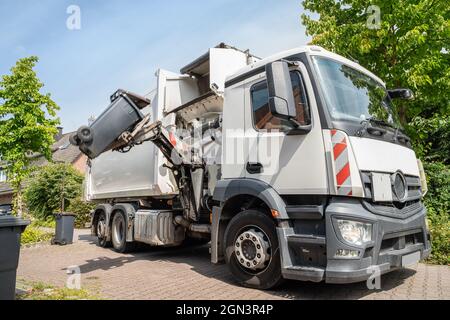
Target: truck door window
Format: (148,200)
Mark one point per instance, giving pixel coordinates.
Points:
(263,118)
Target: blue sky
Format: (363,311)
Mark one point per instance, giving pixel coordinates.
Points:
(123,42)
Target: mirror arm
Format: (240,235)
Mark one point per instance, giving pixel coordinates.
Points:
(301,130)
(295,123)
(298,128)
(290,63)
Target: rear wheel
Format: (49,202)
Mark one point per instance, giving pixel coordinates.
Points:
(251,250)
(119,234)
(101,229)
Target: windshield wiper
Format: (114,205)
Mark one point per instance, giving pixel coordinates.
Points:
(399,133)
(400,137)
(379,132)
(383,123)
(366,126)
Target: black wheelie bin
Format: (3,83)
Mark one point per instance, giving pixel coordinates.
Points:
(11,229)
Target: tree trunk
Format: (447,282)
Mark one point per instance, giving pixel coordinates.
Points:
(19,202)
(402,114)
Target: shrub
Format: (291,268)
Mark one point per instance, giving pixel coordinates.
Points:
(33,235)
(47,187)
(47,223)
(437,202)
(82,210)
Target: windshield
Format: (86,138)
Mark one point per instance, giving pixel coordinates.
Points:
(352,95)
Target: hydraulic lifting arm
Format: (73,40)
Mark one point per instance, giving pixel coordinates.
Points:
(188,170)
(172,148)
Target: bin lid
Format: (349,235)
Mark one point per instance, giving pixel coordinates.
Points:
(12,221)
(67,214)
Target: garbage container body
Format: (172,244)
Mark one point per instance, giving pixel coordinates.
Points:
(65,223)
(11,229)
(121,115)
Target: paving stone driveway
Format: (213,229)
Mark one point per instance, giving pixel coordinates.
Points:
(186,273)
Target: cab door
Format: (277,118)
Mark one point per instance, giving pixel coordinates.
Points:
(290,162)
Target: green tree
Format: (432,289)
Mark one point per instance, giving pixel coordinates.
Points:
(27,123)
(409,48)
(51,188)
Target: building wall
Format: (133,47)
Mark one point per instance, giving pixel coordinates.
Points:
(6,199)
(80,164)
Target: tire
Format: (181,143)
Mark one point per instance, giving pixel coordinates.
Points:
(119,234)
(101,230)
(268,274)
(84,134)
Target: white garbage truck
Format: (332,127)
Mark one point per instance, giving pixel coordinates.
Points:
(291,167)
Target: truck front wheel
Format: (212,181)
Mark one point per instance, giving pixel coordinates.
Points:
(251,250)
(119,234)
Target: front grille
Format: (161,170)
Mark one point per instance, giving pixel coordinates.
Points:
(409,206)
(401,242)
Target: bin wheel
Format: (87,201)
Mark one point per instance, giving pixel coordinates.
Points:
(53,241)
(119,234)
(252,250)
(74,140)
(84,133)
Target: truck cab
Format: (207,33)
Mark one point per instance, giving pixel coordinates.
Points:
(339,176)
(293,167)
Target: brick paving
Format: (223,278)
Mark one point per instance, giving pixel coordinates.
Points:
(186,273)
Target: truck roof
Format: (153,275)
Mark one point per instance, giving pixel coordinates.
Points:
(313,50)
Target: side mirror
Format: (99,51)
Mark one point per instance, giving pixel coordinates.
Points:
(281,96)
(405,94)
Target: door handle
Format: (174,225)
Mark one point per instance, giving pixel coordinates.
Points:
(254,168)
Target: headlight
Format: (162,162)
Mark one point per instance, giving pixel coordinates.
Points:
(423,178)
(354,232)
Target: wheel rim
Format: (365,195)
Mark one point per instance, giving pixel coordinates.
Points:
(253,250)
(118,230)
(101,229)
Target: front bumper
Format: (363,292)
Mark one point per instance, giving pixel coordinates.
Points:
(392,240)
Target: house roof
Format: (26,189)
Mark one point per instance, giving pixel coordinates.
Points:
(5,188)
(62,151)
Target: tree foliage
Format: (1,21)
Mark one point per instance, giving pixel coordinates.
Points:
(410,49)
(47,187)
(438,205)
(432,138)
(27,121)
